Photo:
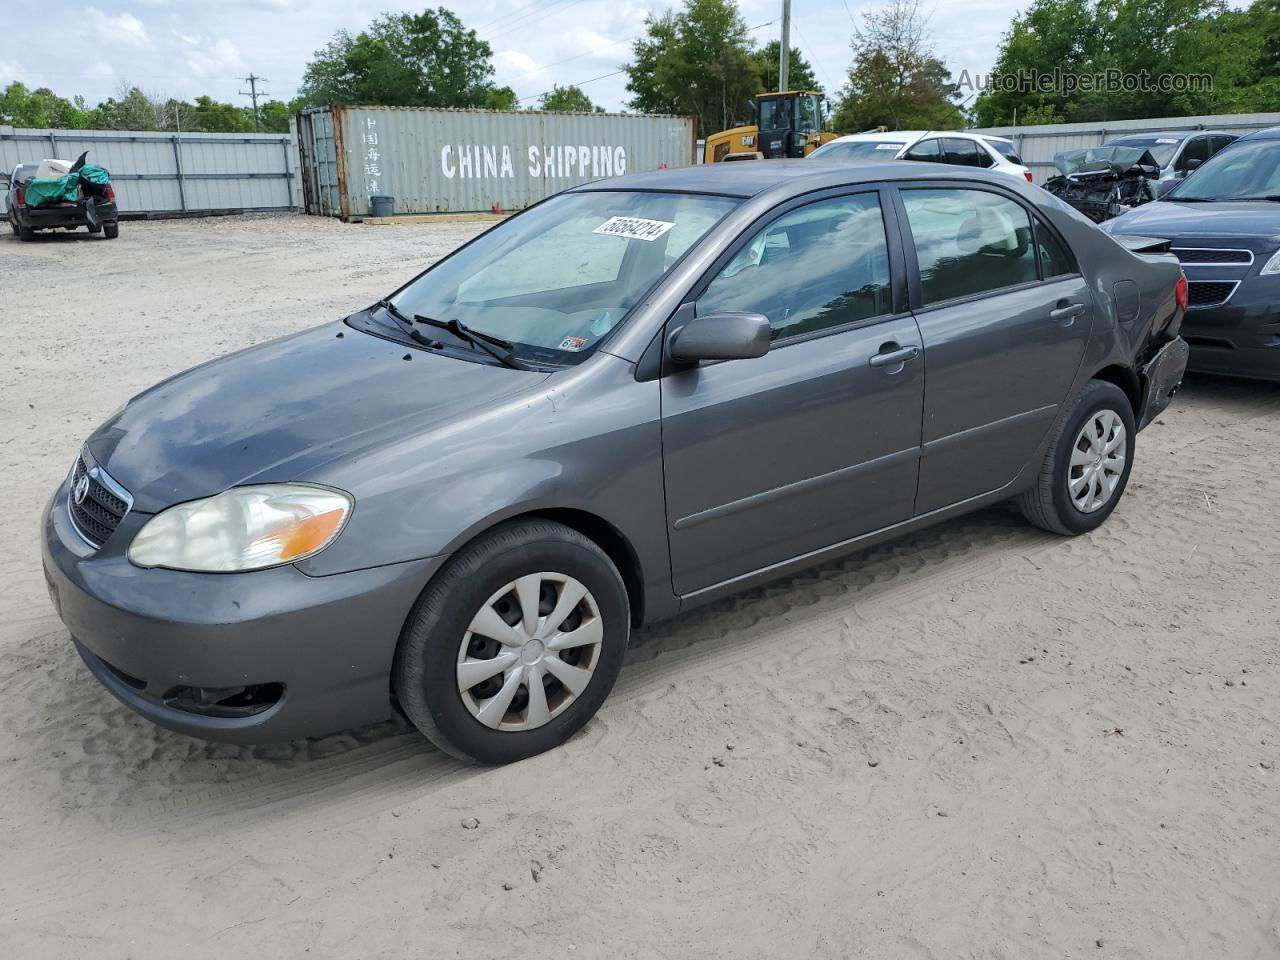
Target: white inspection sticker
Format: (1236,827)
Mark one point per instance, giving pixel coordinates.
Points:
(1165,140)
(887,146)
(633,228)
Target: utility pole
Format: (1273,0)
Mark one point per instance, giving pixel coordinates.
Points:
(784,57)
(253,93)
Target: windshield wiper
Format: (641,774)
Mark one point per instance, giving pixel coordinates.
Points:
(413,332)
(1274,197)
(478,340)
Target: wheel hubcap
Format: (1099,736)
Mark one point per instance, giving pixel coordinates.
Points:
(1097,461)
(529,651)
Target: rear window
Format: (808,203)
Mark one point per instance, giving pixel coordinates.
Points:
(1006,150)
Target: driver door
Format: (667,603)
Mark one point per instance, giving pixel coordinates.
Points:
(818,441)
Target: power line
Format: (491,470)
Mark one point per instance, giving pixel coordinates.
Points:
(253,82)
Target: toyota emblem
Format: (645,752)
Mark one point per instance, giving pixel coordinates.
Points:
(81,491)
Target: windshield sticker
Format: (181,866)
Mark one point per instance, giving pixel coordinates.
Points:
(888,146)
(633,228)
(575,344)
(1166,140)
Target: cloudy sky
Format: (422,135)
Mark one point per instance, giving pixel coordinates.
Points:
(183,48)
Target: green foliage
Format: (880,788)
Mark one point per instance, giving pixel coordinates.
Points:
(1238,49)
(20,107)
(698,61)
(800,75)
(895,80)
(427,59)
(568,99)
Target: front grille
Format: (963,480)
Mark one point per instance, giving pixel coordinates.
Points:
(1209,293)
(102,507)
(1212,255)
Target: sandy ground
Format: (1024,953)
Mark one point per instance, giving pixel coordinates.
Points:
(983,741)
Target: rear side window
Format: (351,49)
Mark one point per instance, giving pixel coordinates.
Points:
(965,153)
(1006,150)
(821,265)
(968,242)
(1056,258)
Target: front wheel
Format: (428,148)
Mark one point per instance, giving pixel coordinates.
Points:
(1087,465)
(515,644)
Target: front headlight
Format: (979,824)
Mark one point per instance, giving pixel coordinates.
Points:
(245,528)
(1272,266)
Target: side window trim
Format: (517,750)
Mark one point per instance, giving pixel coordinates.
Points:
(914,288)
(894,243)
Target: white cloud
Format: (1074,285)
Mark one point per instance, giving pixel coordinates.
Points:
(516,62)
(123,28)
(220,58)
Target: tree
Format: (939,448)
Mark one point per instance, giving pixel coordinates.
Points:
(895,79)
(568,99)
(698,61)
(800,75)
(427,59)
(42,108)
(1238,49)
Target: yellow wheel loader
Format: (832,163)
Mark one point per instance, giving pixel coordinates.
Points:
(788,124)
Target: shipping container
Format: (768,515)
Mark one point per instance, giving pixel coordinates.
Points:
(158,173)
(1038,145)
(450,161)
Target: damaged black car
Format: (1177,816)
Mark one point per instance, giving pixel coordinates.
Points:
(1104,182)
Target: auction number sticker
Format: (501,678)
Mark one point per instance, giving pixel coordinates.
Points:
(633,228)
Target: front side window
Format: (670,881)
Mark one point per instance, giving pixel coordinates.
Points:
(822,265)
(560,276)
(1197,148)
(968,242)
(930,151)
(771,114)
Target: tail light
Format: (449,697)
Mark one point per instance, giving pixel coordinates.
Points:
(1027,174)
(111,193)
(22,197)
(1180,293)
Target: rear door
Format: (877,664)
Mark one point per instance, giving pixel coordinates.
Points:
(818,441)
(1005,316)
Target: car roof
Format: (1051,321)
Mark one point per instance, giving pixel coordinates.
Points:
(890,136)
(1271,133)
(749,178)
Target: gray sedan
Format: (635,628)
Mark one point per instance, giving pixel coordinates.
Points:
(633,398)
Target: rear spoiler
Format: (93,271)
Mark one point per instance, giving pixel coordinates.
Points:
(1142,244)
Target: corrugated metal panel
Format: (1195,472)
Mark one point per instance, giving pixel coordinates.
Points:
(1039,145)
(156,172)
(435,161)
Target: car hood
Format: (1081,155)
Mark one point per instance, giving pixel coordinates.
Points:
(1112,160)
(1226,218)
(278,411)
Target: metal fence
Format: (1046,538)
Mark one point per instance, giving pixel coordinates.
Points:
(156,173)
(435,161)
(1039,145)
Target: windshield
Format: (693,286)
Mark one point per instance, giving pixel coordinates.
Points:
(857,151)
(808,117)
(1161,149)
(560,276)
(1247,168)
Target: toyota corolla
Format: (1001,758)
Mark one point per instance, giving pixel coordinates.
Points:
(635,397)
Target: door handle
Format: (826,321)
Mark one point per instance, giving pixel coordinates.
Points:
(891,355)
(1065,314)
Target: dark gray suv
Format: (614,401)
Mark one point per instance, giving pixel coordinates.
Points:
(635,397)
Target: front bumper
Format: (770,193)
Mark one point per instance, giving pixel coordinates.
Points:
(1242,336)
(321,647)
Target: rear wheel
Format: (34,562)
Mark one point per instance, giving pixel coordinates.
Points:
(96,228)
(25,232)
(111,229)
(1087,466)
(514,645)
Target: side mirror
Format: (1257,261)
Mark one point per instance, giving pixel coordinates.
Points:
(721,336)
(1164,186)
(1189,165)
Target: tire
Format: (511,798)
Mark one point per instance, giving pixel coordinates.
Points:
(25,233)
(97,229)
(477,587)
(111,229)
(1064,499)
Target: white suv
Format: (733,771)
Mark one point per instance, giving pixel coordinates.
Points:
(931,146)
